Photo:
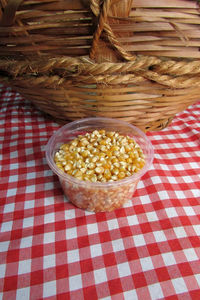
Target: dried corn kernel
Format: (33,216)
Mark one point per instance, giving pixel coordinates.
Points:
(100,156)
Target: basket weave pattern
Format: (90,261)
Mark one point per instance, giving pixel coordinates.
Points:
(136,60)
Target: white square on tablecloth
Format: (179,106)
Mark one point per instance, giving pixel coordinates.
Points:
(171,155)
(69,214)
(89,213)
(96,250)
(145,199)
(49,186)
(194,165)
(163,195)
(187,179)
(113,224)
(180,232)
(13,178)
(29,151)
(189,211)
(106,298)
(23,294)
(196,229)
(49,201)
(179,285)
(24,266)
(196,192)
(28,222)
(118,245)
(49,288)
(6,226)
(71,233)
(171,212)
(164,146)
(73,256)
(49,218)
(100,276)
(168,259)
(49,261)
(11,192)
(29,204)
(191,144)
(156,179)
(30,189)
(132,220)
(155,291)
(2,270)
(130,295)
(128,204)
(4,246)
(171,179)
(190,254)
(197,277)
(14,143)
(146,264)
(31,175)
(30,163)
(92,228)
(49,237)
(9,207)
(13,154)
(152,216)
(139,240)
(124,269)
(180,195)
(14,166)
(75,282)
(164,167)
(159,236)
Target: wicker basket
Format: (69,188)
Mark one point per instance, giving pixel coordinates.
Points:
(136,60)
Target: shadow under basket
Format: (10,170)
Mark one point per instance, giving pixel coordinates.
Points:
(134,60)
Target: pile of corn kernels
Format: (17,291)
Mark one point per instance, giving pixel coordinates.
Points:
(100,156)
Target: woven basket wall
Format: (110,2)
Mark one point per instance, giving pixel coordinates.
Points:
(136,60)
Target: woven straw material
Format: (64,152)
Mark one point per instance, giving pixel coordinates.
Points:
(136,60)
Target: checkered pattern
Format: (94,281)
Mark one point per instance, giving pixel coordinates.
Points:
(49,249)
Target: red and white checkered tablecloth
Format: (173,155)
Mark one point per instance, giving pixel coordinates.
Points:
(49,249)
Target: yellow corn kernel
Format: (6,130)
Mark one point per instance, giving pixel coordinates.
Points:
(102,131)
(85,153)
(69,172)
(109,153)
(64,147)
(78,173)
(99,170)
(110,134)
(115,171)
(122,169)
(91,165)
(68,166)
(121,175)
(114,160)
(129,160)
(74,142)
(59,165)
(93,178)
(114,148)
(102,154)
(127,148)
(90,172)
(103,142)
(107,165)
(107,174)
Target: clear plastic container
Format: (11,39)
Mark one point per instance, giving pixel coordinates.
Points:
(98,196)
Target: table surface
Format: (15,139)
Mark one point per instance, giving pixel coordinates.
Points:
(49,249)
